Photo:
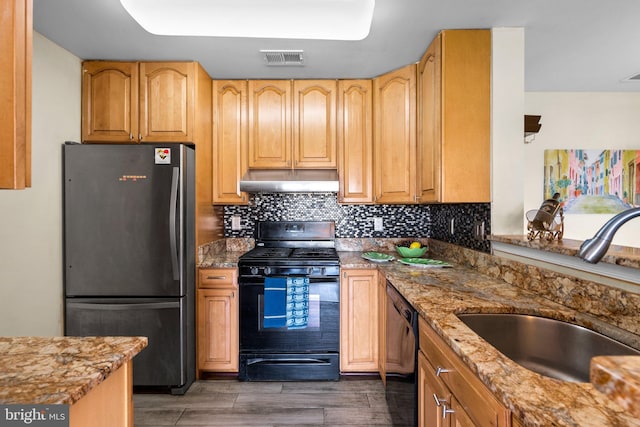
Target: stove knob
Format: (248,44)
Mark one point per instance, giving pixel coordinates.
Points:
(254,271)
(267,271)
(323,271)
(309,271)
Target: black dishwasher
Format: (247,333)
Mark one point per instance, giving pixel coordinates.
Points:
(401,359)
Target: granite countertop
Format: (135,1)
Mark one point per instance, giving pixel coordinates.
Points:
(439,294)
(60,370)
(221,260)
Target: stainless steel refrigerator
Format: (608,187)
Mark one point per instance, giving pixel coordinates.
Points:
(129,253)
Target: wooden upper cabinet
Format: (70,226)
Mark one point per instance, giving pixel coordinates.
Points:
(143,101)
(109,101)
(355,141)
(16,23)
(314,124)
(394,104)
(270,124)
(167,101)
(455,118)
(229,140)
(429,131)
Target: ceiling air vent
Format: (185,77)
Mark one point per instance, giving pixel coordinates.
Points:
(283,57)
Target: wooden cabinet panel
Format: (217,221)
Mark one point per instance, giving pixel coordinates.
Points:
(217,320)
(229,140)
(473,403)
(167,101)
(359,321)
(429,131)
(109,101)
(455,115)
(432,394)
(395,136)
(16,29)
(218,278)
(382,326)
(314,124)
(355,141)
(109,404)
(269,124)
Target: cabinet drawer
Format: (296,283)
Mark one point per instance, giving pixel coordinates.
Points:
(477,401)
(218,278)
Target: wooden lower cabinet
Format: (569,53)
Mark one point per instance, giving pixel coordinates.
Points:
(359,320)
(217,324)
(109,404)
(432,395)
(382,326)
(449,394)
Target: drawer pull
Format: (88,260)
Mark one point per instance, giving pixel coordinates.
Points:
(439,401)
(216,277)
(441,370)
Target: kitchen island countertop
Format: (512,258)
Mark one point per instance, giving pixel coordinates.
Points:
(60,370)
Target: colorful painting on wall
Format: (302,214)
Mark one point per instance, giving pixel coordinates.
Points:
(593,181)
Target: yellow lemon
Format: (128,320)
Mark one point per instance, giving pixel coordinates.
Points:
(415,245)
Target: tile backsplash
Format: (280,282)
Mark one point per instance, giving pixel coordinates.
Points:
(357,221)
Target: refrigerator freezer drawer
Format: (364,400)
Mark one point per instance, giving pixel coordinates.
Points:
(162,320)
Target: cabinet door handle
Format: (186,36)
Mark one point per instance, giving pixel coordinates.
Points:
(441,370)
(446,411)
(216,277)
(439,401)
(233,294)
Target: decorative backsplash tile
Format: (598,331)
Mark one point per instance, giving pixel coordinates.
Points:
(357,221)
(464,216)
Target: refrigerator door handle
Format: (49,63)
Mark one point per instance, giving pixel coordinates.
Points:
(173,238)
(122,306)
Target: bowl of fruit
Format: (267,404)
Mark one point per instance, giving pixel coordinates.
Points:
(411,249)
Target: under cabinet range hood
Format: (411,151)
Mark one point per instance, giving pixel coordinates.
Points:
(290,181)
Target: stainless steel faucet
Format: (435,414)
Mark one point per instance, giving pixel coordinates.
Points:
(592,250)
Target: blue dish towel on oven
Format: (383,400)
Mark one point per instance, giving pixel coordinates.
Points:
(297,302)
(275,298)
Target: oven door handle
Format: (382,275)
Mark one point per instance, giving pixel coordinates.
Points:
(296,360)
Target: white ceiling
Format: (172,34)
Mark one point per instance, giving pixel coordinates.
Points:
(570,45)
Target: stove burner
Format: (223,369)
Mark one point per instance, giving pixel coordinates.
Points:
(262,252)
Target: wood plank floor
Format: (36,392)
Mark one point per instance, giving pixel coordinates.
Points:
(350,402)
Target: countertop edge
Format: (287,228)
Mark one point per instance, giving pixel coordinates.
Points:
(60,370)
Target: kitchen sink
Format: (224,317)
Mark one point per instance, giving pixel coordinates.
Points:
(550,347)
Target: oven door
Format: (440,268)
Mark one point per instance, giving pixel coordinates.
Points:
(321,334)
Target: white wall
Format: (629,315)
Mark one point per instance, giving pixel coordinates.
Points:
(581,120)
(507,110)
(31,219)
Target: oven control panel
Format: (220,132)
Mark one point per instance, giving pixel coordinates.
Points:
(305,271)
